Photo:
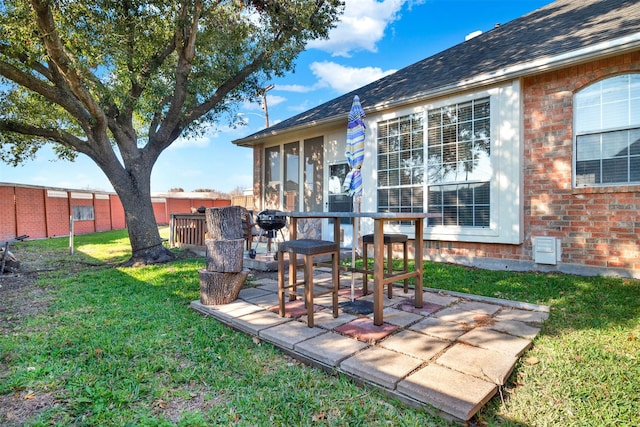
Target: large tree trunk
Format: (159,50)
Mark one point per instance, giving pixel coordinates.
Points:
(135,194)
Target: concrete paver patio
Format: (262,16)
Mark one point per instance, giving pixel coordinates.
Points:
(451,355)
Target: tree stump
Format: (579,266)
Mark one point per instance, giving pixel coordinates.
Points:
(224,256)
(221,280)
(220,288)
(224,223)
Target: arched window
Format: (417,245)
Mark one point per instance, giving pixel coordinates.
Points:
(607,132)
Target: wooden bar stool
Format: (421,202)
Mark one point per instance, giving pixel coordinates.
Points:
(309,249)
(389,241)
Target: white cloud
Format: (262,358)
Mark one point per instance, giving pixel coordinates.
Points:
(361,26)
(344,79)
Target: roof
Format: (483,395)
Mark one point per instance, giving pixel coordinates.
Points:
(562,32)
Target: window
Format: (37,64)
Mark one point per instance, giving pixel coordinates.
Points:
(272,177)
(82,213)
(459,163)
(401,164)
(607,129)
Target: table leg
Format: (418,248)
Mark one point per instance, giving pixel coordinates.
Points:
(378,271)
(418,261)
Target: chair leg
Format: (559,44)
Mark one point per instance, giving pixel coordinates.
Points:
(281,283)
(365,265)
(390,269)
(308,288)
(406,266)
(293,274)
(335,277)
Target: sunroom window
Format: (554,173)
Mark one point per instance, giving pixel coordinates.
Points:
(607,129)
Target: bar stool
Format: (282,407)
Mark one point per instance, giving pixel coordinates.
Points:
(389,241)
(309,249)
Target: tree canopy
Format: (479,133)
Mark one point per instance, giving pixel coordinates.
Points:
(121,80)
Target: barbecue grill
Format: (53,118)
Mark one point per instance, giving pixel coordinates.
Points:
(269,222)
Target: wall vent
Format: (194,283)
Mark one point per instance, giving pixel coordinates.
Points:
(546,250)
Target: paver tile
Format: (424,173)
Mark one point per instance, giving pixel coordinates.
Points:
(478,307)
(289,334)
(415,344)
(527,316)
(249,293)
(330,348)
(426,309)
(458,315)
(325,319)
(253,323)
(380,366)
(453,392)
(398,317)
(438,299)
(518,329)
(485,364)
(494,340)
(363,329)
(439,328)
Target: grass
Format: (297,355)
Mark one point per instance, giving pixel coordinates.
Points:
(120,346)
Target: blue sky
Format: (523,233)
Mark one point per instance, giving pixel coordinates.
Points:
(373,39)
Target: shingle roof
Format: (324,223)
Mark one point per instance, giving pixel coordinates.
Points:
(558,28)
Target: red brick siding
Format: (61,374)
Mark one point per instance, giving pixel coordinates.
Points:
(179,206)
(102,212)
(160,212)
(7,213)
(598,227)
(57,215)
(117,213)
(83,226)
(30,215)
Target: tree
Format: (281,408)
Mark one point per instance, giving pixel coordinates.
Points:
(121,80)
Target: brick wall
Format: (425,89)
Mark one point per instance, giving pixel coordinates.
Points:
(102,212)
(41,212)
(117,213)
(597,227)
(57,210)
(8,227)
(30,214)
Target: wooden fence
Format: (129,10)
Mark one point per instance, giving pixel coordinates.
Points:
(187,230)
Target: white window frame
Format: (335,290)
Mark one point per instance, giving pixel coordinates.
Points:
(506,183)
(632,124)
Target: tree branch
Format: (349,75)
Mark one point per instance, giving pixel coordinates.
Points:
(61,137)
(64,63)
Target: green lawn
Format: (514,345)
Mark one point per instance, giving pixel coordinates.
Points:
(120,346)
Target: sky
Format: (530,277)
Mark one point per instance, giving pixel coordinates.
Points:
(373,39)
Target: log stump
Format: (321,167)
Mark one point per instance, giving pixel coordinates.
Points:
(222,279)
(220,288)
(224,256)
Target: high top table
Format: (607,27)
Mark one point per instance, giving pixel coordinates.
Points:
(379,279)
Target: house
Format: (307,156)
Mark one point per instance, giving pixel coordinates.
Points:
(526,139)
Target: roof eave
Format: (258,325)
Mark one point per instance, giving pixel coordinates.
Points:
(544,64)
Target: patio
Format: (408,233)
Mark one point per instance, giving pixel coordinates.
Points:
(453,354)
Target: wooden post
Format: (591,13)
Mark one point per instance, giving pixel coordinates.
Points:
(71,231)
(222,279)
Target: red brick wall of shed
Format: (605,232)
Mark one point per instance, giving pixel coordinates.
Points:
(102,214)
(160,212)
(84,226)
(598,227)
(117,213)
(7,213)
(57,209)
(30,214)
